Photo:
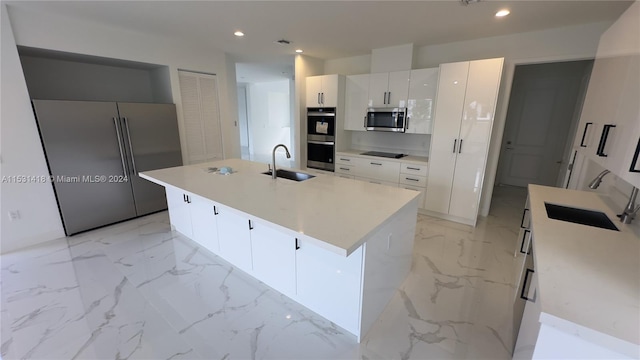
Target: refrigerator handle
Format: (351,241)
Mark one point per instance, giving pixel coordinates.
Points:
(133,157)
(124,163)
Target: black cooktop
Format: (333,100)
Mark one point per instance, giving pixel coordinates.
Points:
(383,154)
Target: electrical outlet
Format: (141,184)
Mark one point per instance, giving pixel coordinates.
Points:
(14,215)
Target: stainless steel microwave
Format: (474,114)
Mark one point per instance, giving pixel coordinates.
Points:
(386,119)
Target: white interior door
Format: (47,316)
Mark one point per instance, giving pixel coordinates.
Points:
(542,108)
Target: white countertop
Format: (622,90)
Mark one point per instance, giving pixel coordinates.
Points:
(338,213)
(420,160)
(586,275)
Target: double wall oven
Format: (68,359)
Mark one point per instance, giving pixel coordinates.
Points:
(321,136)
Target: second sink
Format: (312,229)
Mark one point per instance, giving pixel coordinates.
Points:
(291,175)
(579,216)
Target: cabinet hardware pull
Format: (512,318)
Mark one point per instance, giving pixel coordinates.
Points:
(322,98)
(297,244)
(250,225)
(345,169)
(603,140)
(634,162)
(412,168)
(389,98)
(184,197)
(412,179)
(524,236)
(318,98)
(460,147)
(524,286)
(215,210)
(125,170)
(374,163)
(188,199)
(455,141)
(584,134)
(524,213)
(343,159)
(384,98)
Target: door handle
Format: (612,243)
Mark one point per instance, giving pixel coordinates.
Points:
(524,237)
(524,285)
(524,214)
(322,98)
(455,141)
(603,140)
(250,225)
(365,121)
(407,123)
(215,210)
(389,98)
(125,170)
(634,162)
(318,98)
(584,134)
(384,98)
(297,244)
(375,163)
(460,147)
(133,157)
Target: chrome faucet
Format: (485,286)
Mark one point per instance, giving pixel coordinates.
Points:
(631,209)
(596,182)
(273,159)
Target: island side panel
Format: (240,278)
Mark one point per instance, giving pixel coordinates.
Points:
(387,261)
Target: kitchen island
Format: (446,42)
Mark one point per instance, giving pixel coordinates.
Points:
(339,247)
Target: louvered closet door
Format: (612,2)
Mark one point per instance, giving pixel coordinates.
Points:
(201,117)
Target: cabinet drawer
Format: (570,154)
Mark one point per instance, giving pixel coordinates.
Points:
(344,169)
(413,169)
(413,180)
(376,181)
(388,171)
(343,159)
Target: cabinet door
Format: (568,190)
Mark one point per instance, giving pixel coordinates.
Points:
(378,89)
(205,223)
(314,90)
(452,85)
(356,101)
(235,239)
(529,328)
(398,88)
(329,90)
(473,142)
(179,211)
(421,100)
(274,258)
(321,275)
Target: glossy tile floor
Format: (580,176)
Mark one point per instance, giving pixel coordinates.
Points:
(136,290)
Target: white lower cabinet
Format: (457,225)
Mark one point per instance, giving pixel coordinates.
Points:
(321,275)
(179,211)
(274,258)
(234,236)
(204,223)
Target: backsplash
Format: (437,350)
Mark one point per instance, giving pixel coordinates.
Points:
(412,144)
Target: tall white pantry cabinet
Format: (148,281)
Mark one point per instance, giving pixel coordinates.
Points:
(467,95)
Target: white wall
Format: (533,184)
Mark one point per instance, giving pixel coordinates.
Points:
(21,149)
(567,43)
(21,154)
(269,110)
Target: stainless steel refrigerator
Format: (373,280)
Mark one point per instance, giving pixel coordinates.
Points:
(95,150)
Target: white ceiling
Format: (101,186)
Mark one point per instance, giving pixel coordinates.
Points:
(329,29)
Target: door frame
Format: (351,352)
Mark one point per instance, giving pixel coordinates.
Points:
(504,95)
(575,119)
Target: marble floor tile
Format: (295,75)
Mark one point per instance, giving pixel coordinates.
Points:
(137,290)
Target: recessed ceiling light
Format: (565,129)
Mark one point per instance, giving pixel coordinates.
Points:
(238,33)
(503,12)
(299,51)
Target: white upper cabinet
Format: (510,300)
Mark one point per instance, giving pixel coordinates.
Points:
(609,129)
(421,100)
(322,91)
(389,89)
(467,94)
(356,100)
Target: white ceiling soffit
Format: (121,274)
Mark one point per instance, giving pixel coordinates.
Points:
(329,29)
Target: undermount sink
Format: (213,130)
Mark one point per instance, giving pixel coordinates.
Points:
(291,175)
(579,216)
